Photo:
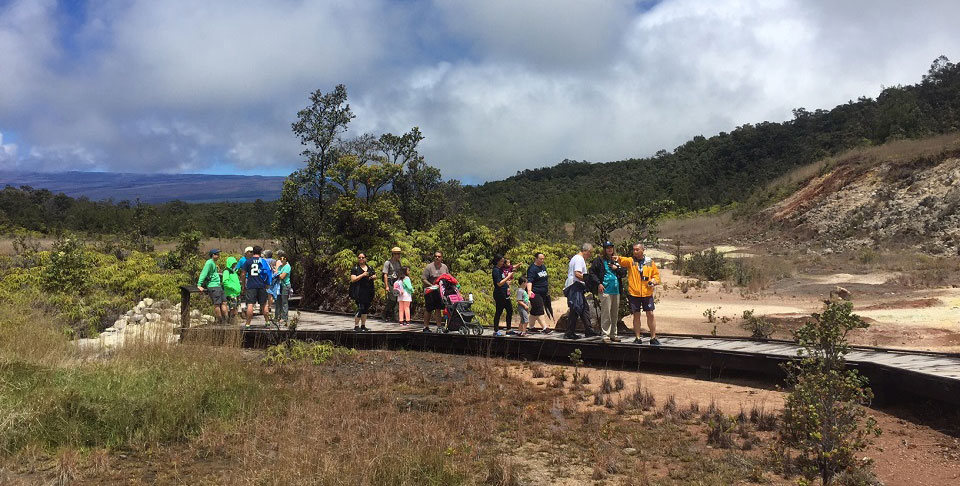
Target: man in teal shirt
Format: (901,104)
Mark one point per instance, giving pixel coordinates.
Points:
(605,272)
(282,310)
(209,282)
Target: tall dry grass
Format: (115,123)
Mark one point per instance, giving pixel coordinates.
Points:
(54,394)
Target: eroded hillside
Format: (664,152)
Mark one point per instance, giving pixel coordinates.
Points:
(903,193)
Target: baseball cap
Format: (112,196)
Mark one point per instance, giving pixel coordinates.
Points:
(608,244)
(214,251)
(396,249)
(249,248)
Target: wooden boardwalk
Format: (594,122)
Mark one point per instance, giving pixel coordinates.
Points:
(894,374)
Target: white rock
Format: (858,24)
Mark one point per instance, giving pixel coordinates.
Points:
(629,451)
(138,318)
(120,324)
(129,313)
(148,301)
(109,330)
(194,313)
(152,316)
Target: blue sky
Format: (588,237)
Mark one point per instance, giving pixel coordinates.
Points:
(496,86)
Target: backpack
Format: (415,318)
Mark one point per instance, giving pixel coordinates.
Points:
(266,272)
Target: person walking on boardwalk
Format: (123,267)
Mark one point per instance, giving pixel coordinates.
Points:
(282,303)
(209,282)
(501,285)
(538,289)
(257,276)
(642,276)
(575,290)
(391,271)
(605,275)
(231,288)
(361,291)
(432,300)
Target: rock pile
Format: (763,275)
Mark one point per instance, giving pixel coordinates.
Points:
(150,320)
(146,311)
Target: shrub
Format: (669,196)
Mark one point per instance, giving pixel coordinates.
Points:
(759,327)
(66,269)
(709,264)
(296,350)
(824,416)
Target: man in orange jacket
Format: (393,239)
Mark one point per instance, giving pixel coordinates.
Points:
(642,277)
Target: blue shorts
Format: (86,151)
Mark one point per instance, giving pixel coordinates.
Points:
(641,304)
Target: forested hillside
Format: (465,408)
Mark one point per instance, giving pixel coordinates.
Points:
(726,167)
(43,211)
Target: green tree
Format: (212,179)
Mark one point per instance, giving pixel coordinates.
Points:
(824,417)
(319,126)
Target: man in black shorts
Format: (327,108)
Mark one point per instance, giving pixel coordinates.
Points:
(253,270)
(539,288)
(432,300)
(642,277)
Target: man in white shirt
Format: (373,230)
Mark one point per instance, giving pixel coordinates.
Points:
(574,289)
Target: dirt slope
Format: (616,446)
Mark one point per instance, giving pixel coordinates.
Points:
(905,193)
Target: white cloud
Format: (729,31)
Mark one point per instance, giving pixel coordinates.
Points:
(8,154)
(495,86)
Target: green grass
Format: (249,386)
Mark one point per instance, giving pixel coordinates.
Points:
(151,395)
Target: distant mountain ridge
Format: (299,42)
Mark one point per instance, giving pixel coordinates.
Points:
(150,188)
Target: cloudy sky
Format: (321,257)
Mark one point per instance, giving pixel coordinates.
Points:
(495,85)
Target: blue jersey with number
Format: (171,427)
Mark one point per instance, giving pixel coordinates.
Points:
(256,269)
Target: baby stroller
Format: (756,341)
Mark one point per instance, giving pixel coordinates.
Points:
(456,310)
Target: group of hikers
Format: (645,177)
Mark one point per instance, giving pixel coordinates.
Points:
(260,278)
(264,281)
(603,279)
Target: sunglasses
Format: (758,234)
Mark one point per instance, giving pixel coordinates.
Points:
(438,256)
(362,258)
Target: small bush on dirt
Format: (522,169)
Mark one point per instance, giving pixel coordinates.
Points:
(720,431)
(606,386)
(641,398)
(711,314)
(759,327)
(824,417)
(709,264)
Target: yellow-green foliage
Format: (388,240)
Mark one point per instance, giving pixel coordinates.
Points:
(86,289)
(296,350)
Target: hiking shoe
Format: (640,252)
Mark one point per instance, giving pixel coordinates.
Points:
(547,331)
(654,342)
(637,341)
(512,333)
(615,339)
(356,328)
(571,336)
(498,333)
(426,329)
(364,329)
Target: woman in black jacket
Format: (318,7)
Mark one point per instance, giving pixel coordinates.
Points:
(361,291)
(501,284)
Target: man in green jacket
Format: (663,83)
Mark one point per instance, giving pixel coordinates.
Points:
(209,282)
